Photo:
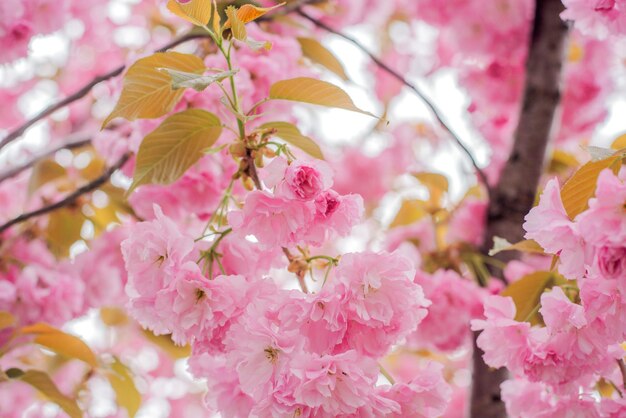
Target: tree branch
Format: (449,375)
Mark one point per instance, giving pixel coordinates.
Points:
(429,104)
(14,171)
(514,195)
(71,198)
(83,91)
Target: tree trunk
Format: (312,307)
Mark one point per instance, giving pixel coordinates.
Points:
(514,195)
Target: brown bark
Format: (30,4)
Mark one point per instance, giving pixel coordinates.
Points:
(513,196)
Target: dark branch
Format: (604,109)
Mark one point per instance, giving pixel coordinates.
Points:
(83,91)
(513,196)
(12,172)
(71,198)
(431,106)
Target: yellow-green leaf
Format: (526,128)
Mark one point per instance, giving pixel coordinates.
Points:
(291,134)
(316,52)
(237,27)
(248,12)
(582,185)
(526,293)
(437,184)
(197,12)
(168,151)
(147,91)
(6,320)
(44,172)
(216,21)
(167,345)
(619,143)
(562,161)
(113,316)
(411,211)
(126,393)
(318,92)
(42,382)
(527,246)
(63,230)
(61,343)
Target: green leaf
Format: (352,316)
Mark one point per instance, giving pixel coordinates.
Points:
(526,293)
(61,343)
(581,187)
(126,393)
(42,382)
(197,12)
(599,153)
(147,92)
(318,53)
(527,246)
(312,91)
(291,134)
(198,82)
(168,151)
(256,45)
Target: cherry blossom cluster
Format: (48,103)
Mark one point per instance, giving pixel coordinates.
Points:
(278,352)
(584,317)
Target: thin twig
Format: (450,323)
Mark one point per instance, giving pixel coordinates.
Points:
(71,198)
(431,106)
(14,171)
(83,91)
(622,369)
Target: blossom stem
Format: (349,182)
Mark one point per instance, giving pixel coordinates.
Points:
(387,375)
(323,257)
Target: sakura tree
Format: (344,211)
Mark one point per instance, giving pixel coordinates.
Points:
(263,209)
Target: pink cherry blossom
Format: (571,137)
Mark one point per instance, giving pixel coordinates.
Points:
(333,384)
(504,340)
(598,17)
(274,221)
(335,215)
(153,253)
(383,304)
(605,221)
(468,222)
(455,302)
(104,264)
(305,180)
(548,224)
(424,397)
